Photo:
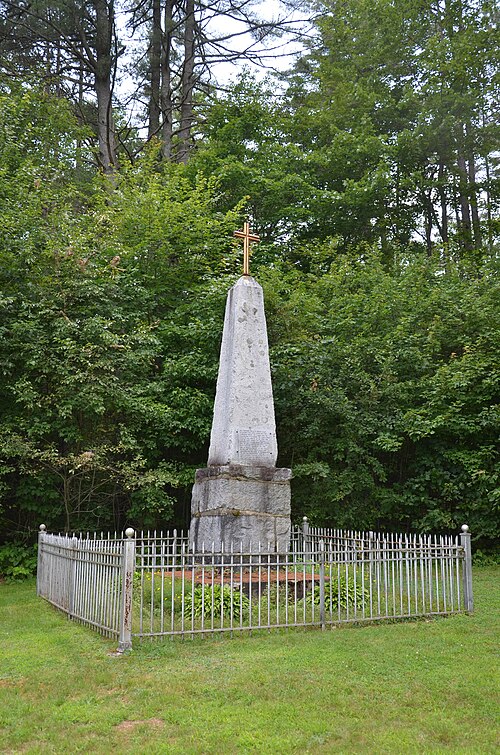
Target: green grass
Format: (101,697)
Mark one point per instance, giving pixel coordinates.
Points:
(422,686)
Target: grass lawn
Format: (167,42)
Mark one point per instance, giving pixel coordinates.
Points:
(422,686)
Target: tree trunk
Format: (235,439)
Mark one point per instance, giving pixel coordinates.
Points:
(488,193)
(427,200)
(187,85)
(443,229)
(166,82)
(67,500)
(48,65)
(155,72)
(488,203)
(78,156)
(465,224)
(455,205)
(103,69)
(476,223)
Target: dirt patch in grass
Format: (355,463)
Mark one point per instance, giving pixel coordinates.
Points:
(129,725)
(11,682)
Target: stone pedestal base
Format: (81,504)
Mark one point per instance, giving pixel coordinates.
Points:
(241,506)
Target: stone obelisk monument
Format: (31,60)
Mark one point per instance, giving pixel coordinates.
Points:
(241,498)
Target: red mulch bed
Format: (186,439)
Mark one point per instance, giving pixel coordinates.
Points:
(245,577)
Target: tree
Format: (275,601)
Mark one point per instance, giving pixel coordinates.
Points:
(79,50)
(105,402)
(382,341)
(385,388)
(246,143)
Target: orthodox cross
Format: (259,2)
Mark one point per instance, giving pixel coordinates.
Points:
(247,238)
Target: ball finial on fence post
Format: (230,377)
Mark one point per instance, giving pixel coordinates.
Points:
(129,532)
(39,569)
(465,528)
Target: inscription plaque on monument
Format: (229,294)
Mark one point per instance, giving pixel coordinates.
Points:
(252,446)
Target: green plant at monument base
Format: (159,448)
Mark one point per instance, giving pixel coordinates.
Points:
(160,592)
(215,600)
(340,592)
(170,602)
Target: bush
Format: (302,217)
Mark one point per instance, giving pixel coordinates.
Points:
(343,592)
(217,600)
(486,558)
(17,561)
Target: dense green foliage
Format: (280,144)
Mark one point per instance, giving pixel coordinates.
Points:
(378,261)
(107,372)
(387,133)
(17,561)
(341,593)
(388,394)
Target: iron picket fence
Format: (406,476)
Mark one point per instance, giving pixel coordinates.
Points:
(150,584)
(84,577)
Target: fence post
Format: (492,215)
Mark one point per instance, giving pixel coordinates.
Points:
(39,560)
(467,569)
(371,559)
(305,537)
(321,583)
(128,566)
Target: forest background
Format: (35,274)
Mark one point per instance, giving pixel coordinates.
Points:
(370,169)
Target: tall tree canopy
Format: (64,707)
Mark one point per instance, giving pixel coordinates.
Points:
(75,46)
(388,132)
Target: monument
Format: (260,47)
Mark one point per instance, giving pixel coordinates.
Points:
(241,499)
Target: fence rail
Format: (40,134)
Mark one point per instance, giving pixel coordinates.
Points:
(153,585)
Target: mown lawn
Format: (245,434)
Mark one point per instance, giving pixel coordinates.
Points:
(423,686)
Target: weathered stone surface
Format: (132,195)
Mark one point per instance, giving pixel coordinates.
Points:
(269,474)
(241,532)
(243,429)
(221,489)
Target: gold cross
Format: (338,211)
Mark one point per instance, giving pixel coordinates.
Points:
(247,238)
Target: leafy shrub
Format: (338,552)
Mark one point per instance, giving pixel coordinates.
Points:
(17,561)
(488,558)
(343,592)
(214,598)
(276,594)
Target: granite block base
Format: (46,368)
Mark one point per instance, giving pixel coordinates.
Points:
(240,507)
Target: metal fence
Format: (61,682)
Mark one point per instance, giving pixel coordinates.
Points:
(87,579)
(153,585)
